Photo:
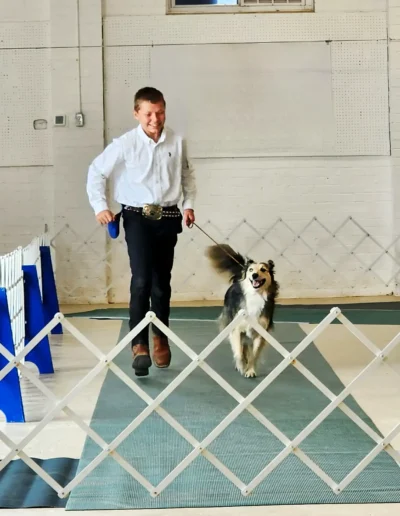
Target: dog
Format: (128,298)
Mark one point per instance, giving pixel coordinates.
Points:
(253,288)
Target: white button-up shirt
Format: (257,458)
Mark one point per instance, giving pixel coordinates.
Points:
(145,172)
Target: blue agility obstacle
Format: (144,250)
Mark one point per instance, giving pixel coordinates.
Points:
(27,304)
(49,290)
(10,390)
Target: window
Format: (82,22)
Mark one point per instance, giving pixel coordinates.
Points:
(241,6)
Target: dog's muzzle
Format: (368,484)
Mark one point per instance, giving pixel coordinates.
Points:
(257,282)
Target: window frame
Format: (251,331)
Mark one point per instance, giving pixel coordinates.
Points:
(225,9)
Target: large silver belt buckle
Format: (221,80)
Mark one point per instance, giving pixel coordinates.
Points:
(152,211)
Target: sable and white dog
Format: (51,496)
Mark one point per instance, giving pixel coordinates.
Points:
(254,289)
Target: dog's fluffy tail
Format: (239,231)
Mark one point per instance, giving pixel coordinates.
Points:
(226,261)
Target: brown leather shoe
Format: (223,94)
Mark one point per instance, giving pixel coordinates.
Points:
(161,351)
(141,359)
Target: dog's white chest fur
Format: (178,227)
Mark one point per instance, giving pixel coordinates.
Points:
(254,303)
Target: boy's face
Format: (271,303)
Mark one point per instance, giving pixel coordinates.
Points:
(151,117)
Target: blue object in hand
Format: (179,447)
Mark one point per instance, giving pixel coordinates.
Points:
(113,226)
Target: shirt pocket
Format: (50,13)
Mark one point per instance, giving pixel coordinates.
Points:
(138,166)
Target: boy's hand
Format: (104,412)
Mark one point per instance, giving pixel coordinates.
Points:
(188,218)
(105,216)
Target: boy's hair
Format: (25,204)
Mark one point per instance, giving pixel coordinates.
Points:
(150,94)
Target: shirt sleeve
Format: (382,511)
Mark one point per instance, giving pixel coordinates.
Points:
(99,171)
(189,188)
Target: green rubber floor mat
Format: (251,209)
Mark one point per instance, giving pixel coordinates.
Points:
(245,447)
(300,313)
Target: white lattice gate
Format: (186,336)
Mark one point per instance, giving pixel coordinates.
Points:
(244,403)
(314,259)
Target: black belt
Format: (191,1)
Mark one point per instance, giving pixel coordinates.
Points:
(154,211)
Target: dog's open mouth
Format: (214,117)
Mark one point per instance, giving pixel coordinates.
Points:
(257,283)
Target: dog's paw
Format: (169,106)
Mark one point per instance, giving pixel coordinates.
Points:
(250,373)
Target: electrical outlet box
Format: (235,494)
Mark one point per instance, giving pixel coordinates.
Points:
(60,120)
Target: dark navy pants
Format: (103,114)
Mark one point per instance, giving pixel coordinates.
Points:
(151,246)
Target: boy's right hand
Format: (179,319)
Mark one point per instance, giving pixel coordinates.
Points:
(105,216)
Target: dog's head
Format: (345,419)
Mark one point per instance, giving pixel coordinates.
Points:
(260,275)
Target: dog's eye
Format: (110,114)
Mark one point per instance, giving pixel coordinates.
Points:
(250,270)
(263,270)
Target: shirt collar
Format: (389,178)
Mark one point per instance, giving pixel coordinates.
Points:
(145,138)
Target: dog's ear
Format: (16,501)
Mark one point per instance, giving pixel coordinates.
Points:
(271,266)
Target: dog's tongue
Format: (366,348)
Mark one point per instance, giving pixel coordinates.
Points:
(256,283)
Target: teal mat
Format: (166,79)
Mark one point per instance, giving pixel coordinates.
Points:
(199,404)
(300,313)
(22,488)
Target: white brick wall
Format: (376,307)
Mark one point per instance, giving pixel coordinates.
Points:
(259,190)
(24,10)
(26,204)
(26,192)
(350,5)
(297,189)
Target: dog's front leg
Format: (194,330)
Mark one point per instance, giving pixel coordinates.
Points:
(237,350)
(258,346)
